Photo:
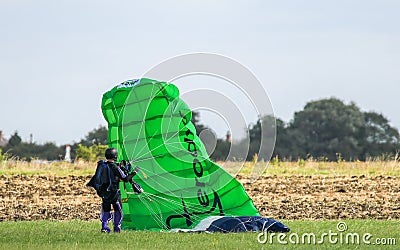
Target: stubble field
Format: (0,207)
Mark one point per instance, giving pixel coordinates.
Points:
(290,195)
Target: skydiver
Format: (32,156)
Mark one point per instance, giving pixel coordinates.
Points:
(111,195)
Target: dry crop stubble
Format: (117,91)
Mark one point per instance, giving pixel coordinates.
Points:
(280,197)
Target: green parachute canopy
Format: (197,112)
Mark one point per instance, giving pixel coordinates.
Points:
(151,127)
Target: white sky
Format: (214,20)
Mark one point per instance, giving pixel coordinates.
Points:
(57,58)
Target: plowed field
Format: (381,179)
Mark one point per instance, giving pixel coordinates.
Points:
(279,197)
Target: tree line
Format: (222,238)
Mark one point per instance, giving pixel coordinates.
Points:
(329,129)
(326,129)
(90,148)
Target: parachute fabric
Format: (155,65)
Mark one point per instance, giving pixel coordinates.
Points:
(151,127)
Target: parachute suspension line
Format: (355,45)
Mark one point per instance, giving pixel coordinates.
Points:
(139,159)
(158,207)
(150,172)
(153,214)
(152,157)
(169,125)
(196,217)
(192,205)
(158,219)
(149,152)
(167,189)
(264,230)
(162,177)
(171,145)
(178,203)
(176,208)
(166,203)
(165,142)
(152,137)
(144,120)
(145,159)
(157,147)
(243,224)
(150,209)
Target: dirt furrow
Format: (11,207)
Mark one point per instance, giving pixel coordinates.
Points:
(291,197)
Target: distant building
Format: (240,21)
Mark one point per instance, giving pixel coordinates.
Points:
(3,141)
(67,153)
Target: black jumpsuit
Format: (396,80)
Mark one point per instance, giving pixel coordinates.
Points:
(113,199)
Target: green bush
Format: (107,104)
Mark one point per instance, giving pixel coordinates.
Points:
(2,156)
(92,153)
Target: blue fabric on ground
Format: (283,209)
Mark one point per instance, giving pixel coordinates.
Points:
(247,224)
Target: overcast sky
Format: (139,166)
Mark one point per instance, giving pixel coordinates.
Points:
(57,58)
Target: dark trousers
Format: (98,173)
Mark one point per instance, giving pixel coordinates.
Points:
(105,214)
(116,204)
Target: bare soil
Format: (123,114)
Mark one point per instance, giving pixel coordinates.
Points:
(279,197)
(318,197)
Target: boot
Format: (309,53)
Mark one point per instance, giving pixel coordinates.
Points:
(105,217)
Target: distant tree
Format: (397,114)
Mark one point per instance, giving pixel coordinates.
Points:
(92,153)
(328,128)
(2,156)
(15,140)
(379,137)
(284,143)
(84,153)
(29,151)
(222,147)
(50,151)
(96,136)
(262,137)
(254,139)
(221,150)
(196,122)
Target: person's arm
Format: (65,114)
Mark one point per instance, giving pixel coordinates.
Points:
(130,176)
(120,173)
(127,167)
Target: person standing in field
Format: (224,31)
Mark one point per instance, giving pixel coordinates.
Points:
(106,182)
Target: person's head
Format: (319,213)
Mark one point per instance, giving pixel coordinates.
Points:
(111,154)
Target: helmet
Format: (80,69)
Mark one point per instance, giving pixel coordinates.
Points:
(111,153)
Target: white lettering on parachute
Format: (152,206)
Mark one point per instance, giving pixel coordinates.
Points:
(128,83)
